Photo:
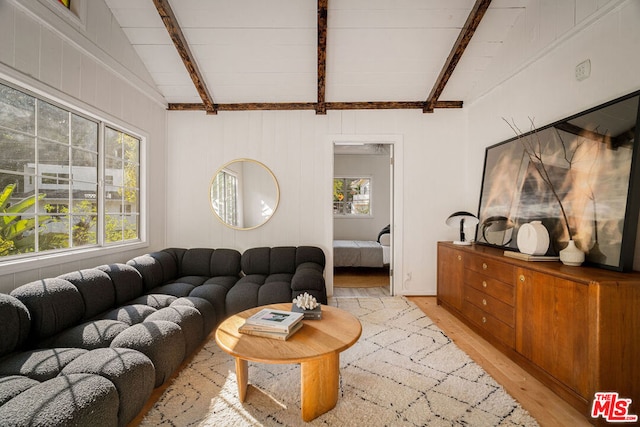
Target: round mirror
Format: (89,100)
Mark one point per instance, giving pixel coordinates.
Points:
(244,194)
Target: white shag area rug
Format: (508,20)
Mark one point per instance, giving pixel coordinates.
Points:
(403,371)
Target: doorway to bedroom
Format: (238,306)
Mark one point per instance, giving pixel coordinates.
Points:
(362,215)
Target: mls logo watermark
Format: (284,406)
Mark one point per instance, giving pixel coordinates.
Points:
(612,408)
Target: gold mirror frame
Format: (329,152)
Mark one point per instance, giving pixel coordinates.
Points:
(256,196)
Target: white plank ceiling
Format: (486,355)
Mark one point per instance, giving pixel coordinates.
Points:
(265,51)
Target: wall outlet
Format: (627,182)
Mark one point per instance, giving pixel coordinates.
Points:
(583,70)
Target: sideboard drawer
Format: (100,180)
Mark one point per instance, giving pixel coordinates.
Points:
(490,305)
(490,267)
(493,326)
(502,291)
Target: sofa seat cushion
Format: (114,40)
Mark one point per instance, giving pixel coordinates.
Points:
(176,289)
(242,296)
(130,314)
(70,400)
(156,301)
(225,281)
(215,294)
(258,279)
(88,335)
(279,277)
(40,365)
(274,292)
(14,324)
(130,371)
(192,280)
(160,340)
(188,318)
(311,265)
(209,316)
(13,385)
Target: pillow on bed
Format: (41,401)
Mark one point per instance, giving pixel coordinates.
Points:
(385,240)
(385,230)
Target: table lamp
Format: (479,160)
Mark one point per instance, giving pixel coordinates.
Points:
(462,219)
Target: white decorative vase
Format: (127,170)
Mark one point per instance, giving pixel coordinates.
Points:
(571,255)
(533,238)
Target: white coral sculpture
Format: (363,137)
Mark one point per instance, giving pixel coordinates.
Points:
(306,301)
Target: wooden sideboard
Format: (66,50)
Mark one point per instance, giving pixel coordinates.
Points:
(576,329)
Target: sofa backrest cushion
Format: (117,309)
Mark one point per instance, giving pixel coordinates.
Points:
(225,262)
(14,324)
(283,260)
(127,282)
(196,262)
(310,254)
(96,289)
(256,261)
(177,254)
(156,268)
(55,304)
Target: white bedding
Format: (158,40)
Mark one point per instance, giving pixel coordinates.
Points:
(360,253)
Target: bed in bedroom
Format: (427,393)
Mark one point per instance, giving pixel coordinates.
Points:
(362,253)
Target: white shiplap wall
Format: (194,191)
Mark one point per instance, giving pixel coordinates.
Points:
(443,153)
(86,63)
(298,148)
(606,33)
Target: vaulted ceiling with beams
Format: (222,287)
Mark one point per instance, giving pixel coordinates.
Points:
(221,55)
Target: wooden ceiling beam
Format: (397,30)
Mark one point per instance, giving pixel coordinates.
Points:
(469,28)
(180,42)
(380,105)
(322,54)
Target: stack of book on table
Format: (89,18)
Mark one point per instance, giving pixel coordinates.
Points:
(270,323)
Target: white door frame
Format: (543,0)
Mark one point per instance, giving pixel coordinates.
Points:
(396,197)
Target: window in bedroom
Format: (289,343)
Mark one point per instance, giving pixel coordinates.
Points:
(352,196)
(52,160)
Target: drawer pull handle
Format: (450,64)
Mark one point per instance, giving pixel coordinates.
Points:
(484,265)
(522,277)
(484,319)
(484,283)
(459,257)
(484,301)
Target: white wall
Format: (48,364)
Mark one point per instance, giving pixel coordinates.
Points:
(547,89)
(376,167)
(86,63)
(296,146)
(94,67)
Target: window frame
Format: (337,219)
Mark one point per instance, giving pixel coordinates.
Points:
(356,215)
(18,262)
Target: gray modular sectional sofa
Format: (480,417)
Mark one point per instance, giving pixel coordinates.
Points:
(89,347)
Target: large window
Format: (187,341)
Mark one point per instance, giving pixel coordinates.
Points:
(52,160)
(352,196)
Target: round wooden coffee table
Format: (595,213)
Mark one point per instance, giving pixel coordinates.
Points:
(316,347)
